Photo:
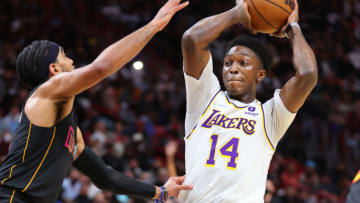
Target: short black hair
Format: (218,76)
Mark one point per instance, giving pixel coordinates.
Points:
(259,47)
(28,62)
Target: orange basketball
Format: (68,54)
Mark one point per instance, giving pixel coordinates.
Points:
(268,16)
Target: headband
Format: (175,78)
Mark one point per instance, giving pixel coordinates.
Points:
(51,55)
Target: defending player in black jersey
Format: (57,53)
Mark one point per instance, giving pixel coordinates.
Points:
(48,142)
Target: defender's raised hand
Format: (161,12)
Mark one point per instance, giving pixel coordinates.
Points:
(166,12)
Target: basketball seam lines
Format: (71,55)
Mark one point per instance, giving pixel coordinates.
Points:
(278,6)
(262,16)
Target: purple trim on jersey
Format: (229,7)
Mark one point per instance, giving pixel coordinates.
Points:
(187,137)
(210,102)
(239,107)
(191,131)
(272,146)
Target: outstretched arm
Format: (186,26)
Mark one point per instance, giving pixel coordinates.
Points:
(298,88)
(113,57)
(106,178)
(195,40)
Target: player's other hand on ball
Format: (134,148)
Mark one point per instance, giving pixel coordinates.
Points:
(166,12)
(174,185)
(293,18)
(243,15)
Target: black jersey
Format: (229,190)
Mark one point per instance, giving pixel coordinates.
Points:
(39,158)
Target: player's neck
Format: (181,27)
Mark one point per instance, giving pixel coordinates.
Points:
(244,98)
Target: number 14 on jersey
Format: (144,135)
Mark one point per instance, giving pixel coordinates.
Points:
(228,150)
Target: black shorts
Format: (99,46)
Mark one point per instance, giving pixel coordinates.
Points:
(8,195)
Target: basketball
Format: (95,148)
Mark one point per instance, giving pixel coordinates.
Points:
(268,16)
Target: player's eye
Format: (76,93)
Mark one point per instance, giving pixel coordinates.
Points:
(244,63)
(227,63)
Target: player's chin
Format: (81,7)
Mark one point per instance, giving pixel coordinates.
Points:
(235,90)
(235,86)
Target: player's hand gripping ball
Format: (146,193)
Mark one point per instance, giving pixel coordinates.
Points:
(269,16)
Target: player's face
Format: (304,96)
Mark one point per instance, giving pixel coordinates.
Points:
(65,63)
(241,71)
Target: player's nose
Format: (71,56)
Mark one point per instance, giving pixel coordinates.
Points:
(234,69)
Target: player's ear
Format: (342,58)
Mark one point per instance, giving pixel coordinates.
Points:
(54,69)
(260,76)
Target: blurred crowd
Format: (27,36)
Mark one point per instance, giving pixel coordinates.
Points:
(129,118)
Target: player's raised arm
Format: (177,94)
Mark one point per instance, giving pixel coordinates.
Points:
(195,40)
(113,57)
(298,88)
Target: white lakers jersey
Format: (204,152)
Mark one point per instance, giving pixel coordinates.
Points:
(229,144)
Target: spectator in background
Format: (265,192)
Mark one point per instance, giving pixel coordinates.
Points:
(170,151)
(12,119)
(71,187)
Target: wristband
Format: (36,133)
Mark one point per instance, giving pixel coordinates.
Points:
(163,195)
(295,24)
(289,28)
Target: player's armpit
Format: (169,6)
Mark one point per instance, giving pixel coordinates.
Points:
(80,143)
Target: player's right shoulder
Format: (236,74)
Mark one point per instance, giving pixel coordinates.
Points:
(50,88)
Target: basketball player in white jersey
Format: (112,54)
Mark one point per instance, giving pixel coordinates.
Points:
(230,136)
